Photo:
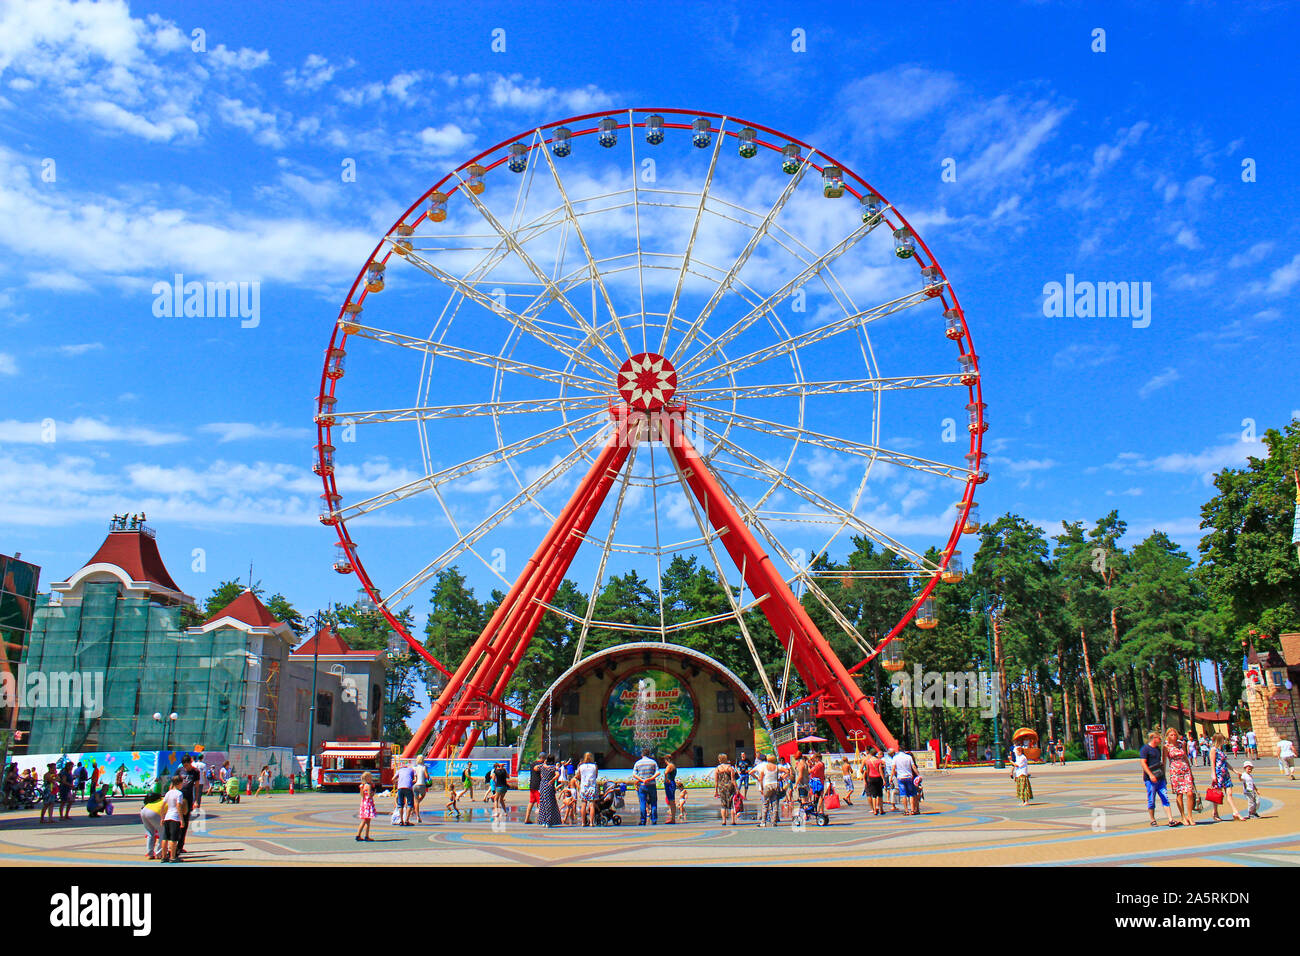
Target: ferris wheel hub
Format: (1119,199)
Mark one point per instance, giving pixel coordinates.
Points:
(647,381)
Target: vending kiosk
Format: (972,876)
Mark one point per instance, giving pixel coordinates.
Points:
(1095,744)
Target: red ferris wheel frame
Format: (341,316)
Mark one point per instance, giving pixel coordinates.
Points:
(503,642)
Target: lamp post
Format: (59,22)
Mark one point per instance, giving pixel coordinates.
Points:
(987,613)
(167,725)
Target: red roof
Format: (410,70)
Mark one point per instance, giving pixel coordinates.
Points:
(1213,716)
(330,645)
(136,553)
(246,609)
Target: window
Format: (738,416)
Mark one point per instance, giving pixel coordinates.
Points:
(325,708)
(569,705)
(726,701)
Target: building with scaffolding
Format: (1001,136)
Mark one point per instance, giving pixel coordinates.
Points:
(109,666)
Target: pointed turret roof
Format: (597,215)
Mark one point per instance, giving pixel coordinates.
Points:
(327,643)
(136,553)
(248,609)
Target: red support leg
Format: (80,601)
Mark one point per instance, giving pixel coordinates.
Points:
(610,458)
(512,627)
(818,665)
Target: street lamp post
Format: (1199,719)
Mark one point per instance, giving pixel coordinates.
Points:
(987,613)
(167,726)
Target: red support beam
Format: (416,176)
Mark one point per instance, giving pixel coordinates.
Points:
(610,458)
(816,661)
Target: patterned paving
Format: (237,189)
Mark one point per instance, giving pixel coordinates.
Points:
(1083,814)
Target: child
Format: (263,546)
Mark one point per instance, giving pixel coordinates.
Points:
(1247,777)
(174,810)
(568,807)
(367,811)
(681,804)
(738,805)
(452,805)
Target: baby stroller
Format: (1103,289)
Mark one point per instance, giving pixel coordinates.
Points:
(807,810)
(230,794)
(609,800)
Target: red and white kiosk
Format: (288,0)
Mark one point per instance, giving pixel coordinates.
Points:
(1095,744)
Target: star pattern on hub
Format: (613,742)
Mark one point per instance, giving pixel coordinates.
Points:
(647,381)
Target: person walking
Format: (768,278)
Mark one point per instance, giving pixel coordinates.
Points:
(670,788)
(905,773)
(119,782)
(1251,750)
(1153,776)
(548,808)
(173,821)
(743,768)
(500,787)
(874,772)
(1181,780)
(189,785)
(201,781)
(50,785)
(419,786)
(769,785)
(891,778)
(646,771)
(588,772)
(65,790)
(404,788)
(724,788)
(1222,775)
(366,812)
(1020,774)
(1247,778)
(1286,758)
(467,781)
(264,781)
(534,788)
(846,772)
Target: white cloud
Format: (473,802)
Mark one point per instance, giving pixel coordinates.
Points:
(246,431)
(83,430)
(446,139)
(8,364)
(1159,381)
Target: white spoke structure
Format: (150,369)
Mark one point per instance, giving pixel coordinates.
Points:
(512,309)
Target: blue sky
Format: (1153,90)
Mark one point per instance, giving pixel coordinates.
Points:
(225,165)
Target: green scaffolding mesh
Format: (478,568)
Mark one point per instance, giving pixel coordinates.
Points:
(131,660)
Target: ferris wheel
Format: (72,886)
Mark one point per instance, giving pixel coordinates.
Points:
(638,334)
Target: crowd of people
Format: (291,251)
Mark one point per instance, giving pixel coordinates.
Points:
(572,792)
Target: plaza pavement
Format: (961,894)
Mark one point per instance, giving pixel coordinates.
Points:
(1082,814)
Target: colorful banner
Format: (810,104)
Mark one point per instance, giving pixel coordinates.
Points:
(649,708)
(141,766)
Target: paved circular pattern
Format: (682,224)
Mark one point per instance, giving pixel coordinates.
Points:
(1083,814)
(647,381)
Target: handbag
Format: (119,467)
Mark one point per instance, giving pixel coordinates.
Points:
(1214,795)
(833,801)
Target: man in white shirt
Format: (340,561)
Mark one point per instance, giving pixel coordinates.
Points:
(905,773)
(1286,757)
(646,772)
(1250,744)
